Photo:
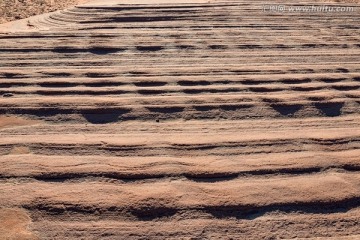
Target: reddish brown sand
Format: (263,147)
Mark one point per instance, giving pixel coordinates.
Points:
(180,120)
(14,225)
(11,10)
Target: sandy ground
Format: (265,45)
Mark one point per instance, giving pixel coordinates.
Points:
(14,225)
(11,10)
(180,120)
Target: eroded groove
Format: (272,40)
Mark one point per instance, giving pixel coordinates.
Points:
(150,213)
(287,110)
(149,48)
(330,109)
(220,149)
(93,50)
(150,84)
(208,177)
